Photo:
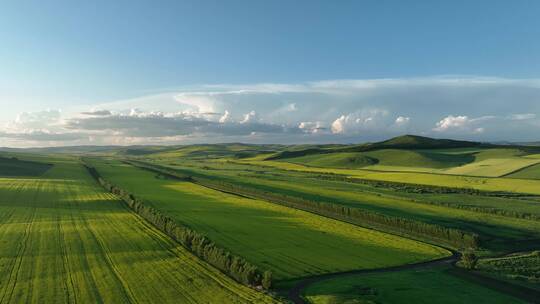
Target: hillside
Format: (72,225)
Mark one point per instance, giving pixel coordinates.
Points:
(400,142)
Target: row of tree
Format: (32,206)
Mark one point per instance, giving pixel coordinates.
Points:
(234,266)
(452,237)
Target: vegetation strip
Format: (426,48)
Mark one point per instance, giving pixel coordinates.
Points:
(452,237)
(236,267)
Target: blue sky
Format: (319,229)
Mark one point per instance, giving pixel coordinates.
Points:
(351,70)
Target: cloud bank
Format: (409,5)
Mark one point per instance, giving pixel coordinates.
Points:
(475,108)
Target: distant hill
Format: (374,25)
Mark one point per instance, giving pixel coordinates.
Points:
(400,142)
(421,142)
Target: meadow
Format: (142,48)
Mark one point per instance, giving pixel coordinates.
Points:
(289,242)
(64,240)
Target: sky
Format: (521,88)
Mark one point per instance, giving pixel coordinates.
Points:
(182,72)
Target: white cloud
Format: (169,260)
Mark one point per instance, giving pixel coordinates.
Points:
(225,118)
(524,116)
(250,117)
(402,121)
(36,120)
(452,122)
(197,102)
(317,127)
(331,110)
(463,124)
(367,119)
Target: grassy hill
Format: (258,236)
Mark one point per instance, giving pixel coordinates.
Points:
(401,142)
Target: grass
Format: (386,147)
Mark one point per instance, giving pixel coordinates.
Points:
(289,242)
(532,172)
(387,160)
(335,160)
(493,167)
(523,267)
(65,240)
(411,286)
(423,159)
(12,166)
(484,162)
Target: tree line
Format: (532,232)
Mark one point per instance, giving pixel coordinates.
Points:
(453,237)
(234,266)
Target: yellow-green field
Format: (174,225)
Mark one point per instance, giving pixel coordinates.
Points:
(64,240)
(480,183)
(493,167)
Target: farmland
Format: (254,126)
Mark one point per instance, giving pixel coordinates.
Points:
(411,286)
(65,240)
(385,222)
(301,243)
(451,210)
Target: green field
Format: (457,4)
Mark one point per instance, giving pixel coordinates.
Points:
(524,267)
(493,167)
(410,286)
(64,240)
(532,172)
(440,209)
(447,180)
(387,160)
(477,162)
(12,166)
(289,242)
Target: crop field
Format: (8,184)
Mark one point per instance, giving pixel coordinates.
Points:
(12,166)
(405,205)
(532,172)
(493,167)
(291,243)
(410,286)
(406,220)
(479,183)
(524,267)
(64,240)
